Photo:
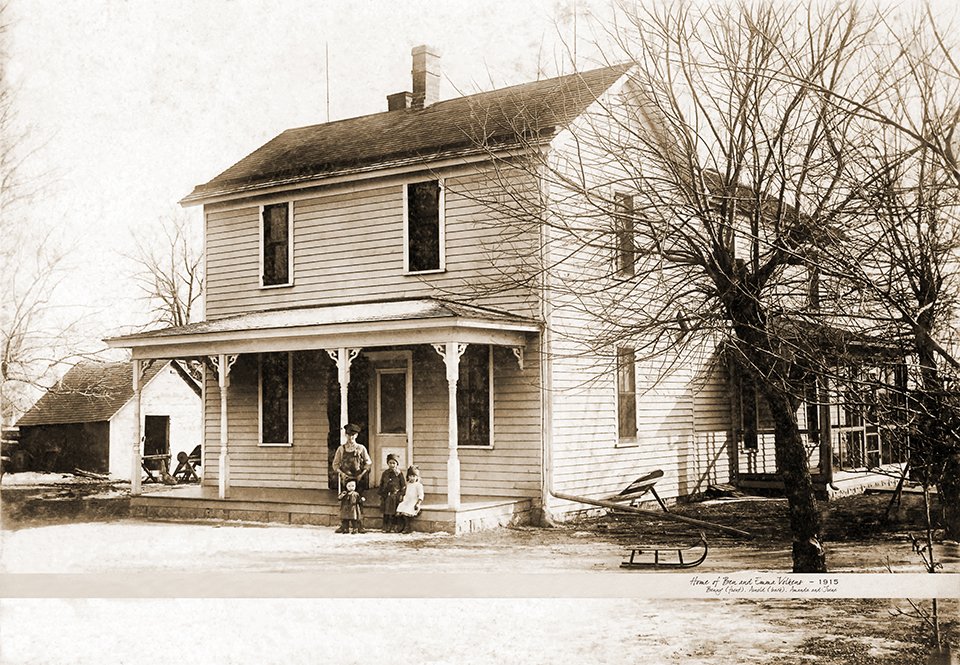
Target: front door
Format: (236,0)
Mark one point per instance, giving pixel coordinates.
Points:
(391,413)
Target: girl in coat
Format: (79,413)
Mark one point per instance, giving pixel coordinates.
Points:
(392,488)
(412,498)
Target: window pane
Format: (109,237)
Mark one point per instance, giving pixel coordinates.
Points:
(393,403)
(626,393)
(275,244)
(423,225)
(275,400)
(473,397)
(626,249)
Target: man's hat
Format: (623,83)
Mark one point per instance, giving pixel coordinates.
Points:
(350,428)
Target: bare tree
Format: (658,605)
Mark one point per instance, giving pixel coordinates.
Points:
(903,234)
(170,272)
(38,338)
(692,210)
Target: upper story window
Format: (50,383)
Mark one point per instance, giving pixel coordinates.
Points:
(276,244)
(276,399)
(475,396)
(626,394)
(623,223)
(423,227)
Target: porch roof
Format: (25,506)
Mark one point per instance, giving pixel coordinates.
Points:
(384,323)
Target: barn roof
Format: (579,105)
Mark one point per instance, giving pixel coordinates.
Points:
(89,392)
(469,124)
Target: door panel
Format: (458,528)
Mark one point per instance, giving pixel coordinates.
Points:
(390,415)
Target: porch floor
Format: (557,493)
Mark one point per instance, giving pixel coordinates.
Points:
(320,507)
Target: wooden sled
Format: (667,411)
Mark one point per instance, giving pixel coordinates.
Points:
(661,557)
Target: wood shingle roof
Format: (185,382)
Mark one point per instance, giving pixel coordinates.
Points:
(89,392)
(464,125)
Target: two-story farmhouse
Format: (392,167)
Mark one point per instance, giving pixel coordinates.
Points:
(369,270)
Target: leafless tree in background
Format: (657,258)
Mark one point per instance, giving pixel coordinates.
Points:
(170,272)
(38,339)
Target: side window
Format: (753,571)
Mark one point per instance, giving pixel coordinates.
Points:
(275,398)
(275,244)
(423,226)
(474,397)
(626,393)
(749,413)
(623,223)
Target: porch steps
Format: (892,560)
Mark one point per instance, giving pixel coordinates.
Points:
(320,508)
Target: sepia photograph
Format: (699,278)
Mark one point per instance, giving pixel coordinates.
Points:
(550,331)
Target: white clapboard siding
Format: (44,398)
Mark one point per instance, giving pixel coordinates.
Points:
(301,465)
(348,246)
(683,416)
(512,466)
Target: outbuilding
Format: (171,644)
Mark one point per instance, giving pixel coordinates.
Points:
(87,421)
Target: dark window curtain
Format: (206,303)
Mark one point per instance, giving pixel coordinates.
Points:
(748,413)
(276,244)
(275,401)
(626,247)
(473,397)
(423,226)
(627,393)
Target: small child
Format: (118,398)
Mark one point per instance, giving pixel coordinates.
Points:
(392,487)
(351,509)
(412,498)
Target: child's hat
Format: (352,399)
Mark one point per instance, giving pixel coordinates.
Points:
(413,470)
(392,458)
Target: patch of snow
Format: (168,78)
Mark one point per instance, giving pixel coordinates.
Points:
(37,478)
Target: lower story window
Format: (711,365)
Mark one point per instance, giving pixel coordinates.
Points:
(626,393)
(475,396)
(865,418)
(275,398)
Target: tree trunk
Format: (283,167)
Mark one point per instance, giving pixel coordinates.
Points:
(805,521)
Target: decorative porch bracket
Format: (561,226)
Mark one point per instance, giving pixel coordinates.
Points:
(518,354)
(451,353)
(222,364)
(140,368)
(344,357)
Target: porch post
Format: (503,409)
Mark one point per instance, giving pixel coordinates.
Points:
(343,357)
(223,363)
(135,459)
(451,352)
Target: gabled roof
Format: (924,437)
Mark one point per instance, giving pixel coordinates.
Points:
(465,125)
(90,392)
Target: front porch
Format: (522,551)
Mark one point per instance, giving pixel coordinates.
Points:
(321,508)
(438,384)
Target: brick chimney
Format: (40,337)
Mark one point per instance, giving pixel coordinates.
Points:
(426,77)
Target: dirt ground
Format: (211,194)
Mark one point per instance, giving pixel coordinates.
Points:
(82,529)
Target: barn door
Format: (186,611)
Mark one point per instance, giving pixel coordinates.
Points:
(156,438)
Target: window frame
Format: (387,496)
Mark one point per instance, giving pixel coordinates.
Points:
(262,245)
(625,441)
(490,405)
(622,214)
(260,442)
(441,222)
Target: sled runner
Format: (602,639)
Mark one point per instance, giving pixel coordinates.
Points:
(667,556)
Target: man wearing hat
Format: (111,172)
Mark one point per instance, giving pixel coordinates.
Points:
(352,461)
(392,486)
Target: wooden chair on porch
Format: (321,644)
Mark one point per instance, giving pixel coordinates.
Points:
(186,471)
